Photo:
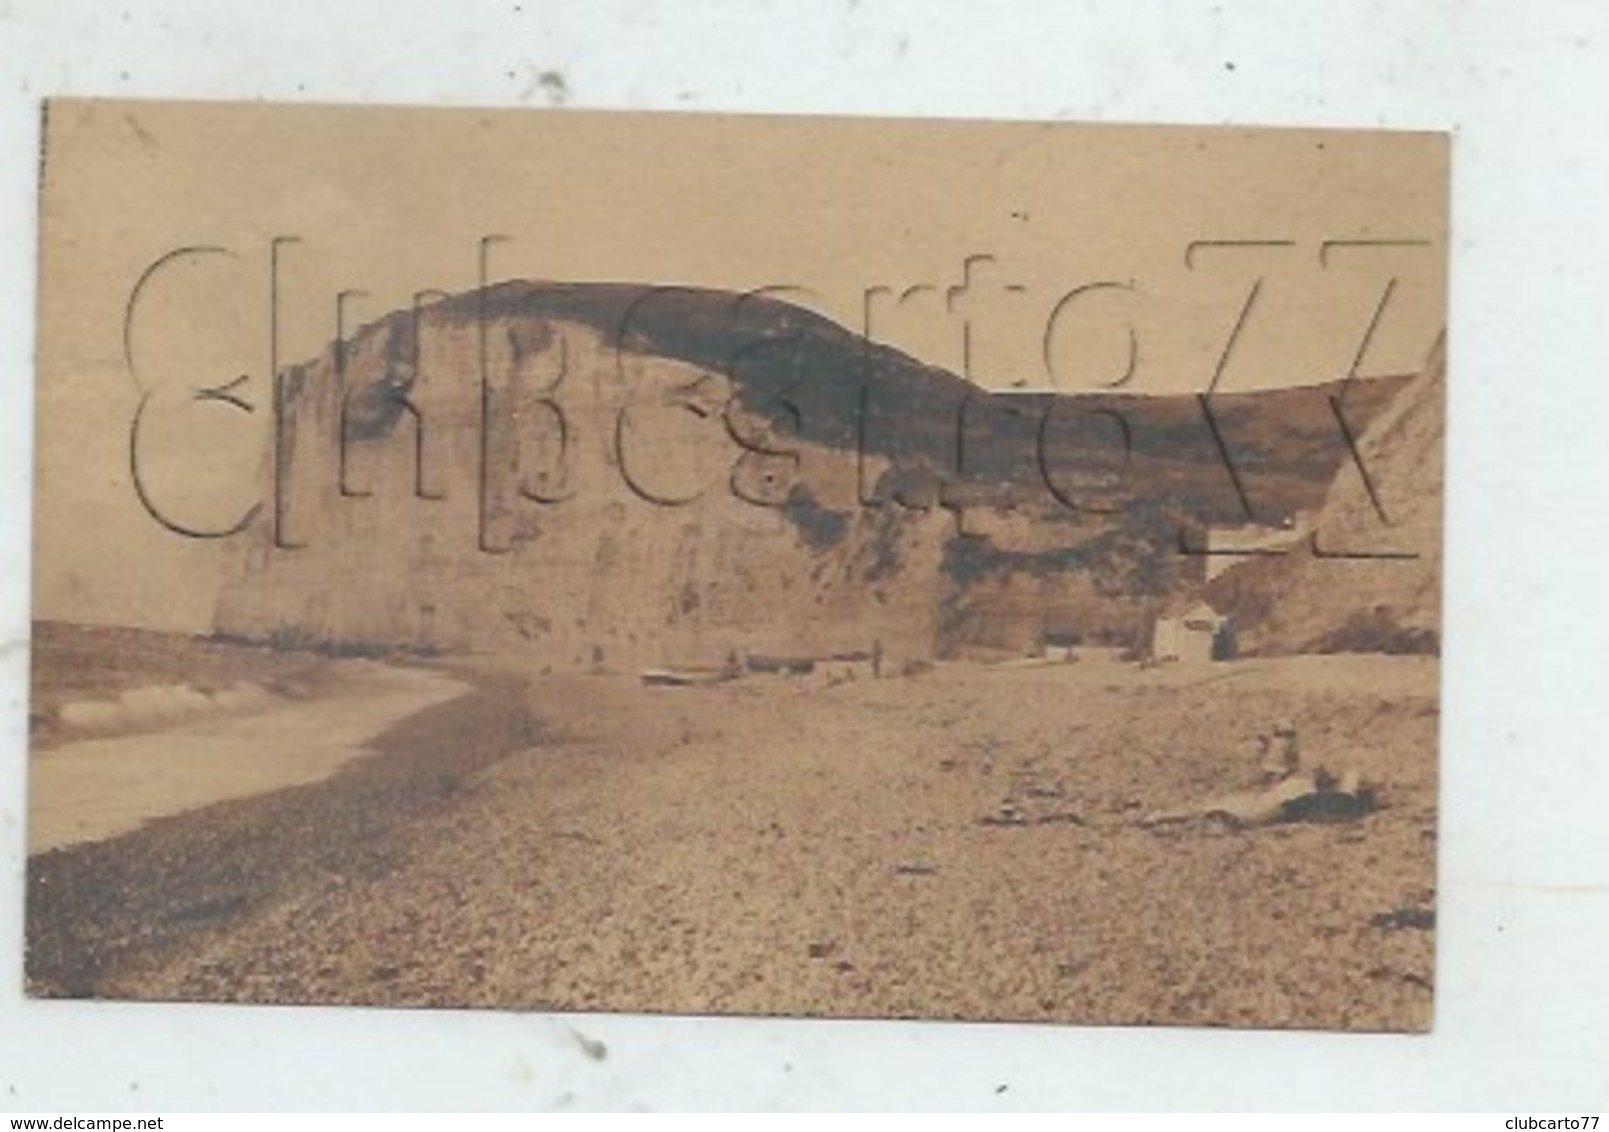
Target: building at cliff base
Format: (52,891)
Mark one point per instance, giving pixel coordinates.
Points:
(1198,635)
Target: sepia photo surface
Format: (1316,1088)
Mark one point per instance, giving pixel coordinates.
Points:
(737,565)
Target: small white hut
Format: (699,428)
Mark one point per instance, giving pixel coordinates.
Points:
(1196,636)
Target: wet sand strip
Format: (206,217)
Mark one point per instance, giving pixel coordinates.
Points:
(99,914)
(98,788)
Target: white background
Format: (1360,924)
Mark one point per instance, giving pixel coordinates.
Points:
(1522,983)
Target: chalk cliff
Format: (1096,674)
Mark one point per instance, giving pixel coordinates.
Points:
(620,476)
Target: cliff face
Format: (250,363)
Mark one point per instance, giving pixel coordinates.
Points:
(1371,581)
(595,505)
(621,476)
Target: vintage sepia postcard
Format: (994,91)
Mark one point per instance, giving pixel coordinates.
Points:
(737,565)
